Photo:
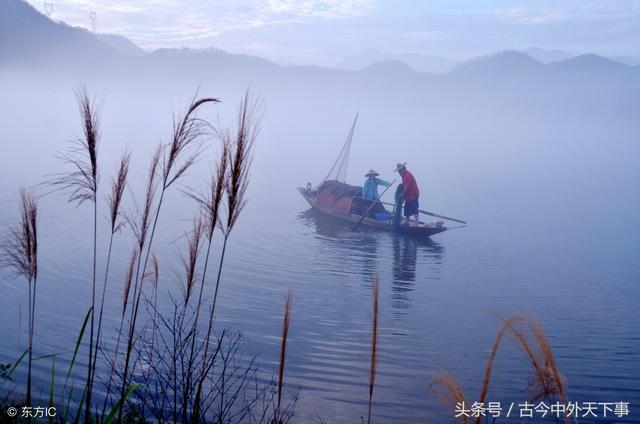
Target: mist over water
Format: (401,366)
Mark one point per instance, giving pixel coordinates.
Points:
(542,165)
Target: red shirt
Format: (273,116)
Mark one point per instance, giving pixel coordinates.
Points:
(410,187)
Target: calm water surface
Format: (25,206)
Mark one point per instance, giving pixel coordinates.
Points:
(549,245)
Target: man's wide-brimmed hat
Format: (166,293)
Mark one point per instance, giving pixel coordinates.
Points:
(400,166)
(371,172)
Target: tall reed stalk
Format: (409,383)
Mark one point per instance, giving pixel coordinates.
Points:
(374,344)
(82,184)
(278,419)
(178,156)
(236,183)
(115,201)
(19,252)
(125,299)
(139,221)
(210,206)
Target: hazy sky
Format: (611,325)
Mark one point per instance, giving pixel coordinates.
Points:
(326,31)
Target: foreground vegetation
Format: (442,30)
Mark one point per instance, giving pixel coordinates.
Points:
(175,364)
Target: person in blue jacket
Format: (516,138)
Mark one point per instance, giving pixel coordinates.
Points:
(370,187)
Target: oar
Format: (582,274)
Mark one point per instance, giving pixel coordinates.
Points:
(442,216)
(366,213)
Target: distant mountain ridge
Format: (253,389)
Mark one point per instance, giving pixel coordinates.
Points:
(120,44)
(417,62)
(547,56)
(32,40)
(29,37)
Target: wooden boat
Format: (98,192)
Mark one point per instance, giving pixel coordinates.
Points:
(345,202)
(351,209)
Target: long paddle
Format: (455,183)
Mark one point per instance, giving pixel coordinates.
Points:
(434,215)
(442,216)
(366,213)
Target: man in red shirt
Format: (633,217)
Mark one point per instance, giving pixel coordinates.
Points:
(410,193)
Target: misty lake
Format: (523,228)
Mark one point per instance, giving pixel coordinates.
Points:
(552,230)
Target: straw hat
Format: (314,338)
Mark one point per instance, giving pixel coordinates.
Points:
(371,172)
(400,166)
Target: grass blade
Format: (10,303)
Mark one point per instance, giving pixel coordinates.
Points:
(77,346)
(112,414)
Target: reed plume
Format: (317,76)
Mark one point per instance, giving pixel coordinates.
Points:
(189,263)
(283,355)
(374,343)
(178,156)
(241,156)
(81,182)
(152,275)
(239,150)
(19,252)
(545,381)
(449,391)
(237,179)
(117,193)
(492,355)
(82,185)
(184,148)
(139,220)
(128,279)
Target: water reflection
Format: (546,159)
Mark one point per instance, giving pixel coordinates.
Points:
(370,252)
(405,258)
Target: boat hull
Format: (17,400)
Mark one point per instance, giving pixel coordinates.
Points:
(415,231)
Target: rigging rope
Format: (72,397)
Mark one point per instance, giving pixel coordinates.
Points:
(339,169)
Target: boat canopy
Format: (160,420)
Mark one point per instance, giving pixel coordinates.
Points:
(336,196)
(340,189)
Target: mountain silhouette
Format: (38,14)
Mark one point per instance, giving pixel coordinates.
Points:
(34,42)
(501,64)
(417,62)
(547,56)
(590,63)
(30,38)
(120,44)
